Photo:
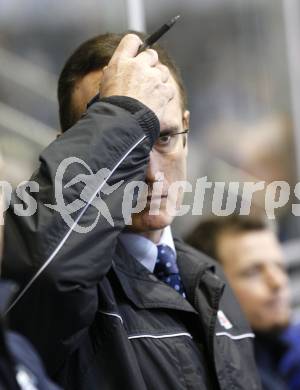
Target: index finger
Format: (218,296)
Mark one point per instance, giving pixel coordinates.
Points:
(127,48)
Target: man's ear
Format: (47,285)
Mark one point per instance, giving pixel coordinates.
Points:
(186,120)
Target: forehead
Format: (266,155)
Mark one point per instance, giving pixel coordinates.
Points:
(244,249)
(173,113)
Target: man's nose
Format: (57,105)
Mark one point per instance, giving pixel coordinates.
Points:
(154,169)
(277,278)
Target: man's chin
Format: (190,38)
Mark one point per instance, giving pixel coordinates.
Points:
(273,327)
(144,222)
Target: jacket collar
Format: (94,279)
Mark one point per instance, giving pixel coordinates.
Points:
(204,288)
(191,267)
(195,268)
(142,287)
(146,291)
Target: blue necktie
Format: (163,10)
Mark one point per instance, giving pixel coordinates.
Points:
(166,268)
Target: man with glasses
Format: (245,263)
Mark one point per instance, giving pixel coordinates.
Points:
(123,306)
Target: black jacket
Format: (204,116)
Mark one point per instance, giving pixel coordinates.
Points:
(97,316)
(20,367)
(269,349)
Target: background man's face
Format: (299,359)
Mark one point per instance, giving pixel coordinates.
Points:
(172,165)
(253,264)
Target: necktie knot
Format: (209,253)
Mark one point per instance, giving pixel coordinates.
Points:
(166,268)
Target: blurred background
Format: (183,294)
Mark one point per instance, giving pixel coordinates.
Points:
(240,60)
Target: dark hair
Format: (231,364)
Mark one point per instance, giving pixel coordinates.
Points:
(205,236)
(92,55)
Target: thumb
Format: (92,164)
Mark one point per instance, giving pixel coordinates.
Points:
(127,48)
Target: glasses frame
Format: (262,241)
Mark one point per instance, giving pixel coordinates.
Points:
(171,134)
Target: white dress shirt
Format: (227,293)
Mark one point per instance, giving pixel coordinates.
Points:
(143,249)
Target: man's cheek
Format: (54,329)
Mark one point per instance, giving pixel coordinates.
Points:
(179,198)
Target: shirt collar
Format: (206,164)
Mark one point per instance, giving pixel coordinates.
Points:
(144,250)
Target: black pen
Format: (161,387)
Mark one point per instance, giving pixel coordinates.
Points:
(151,39)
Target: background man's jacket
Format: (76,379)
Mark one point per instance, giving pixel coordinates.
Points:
(99,318)
(20,367)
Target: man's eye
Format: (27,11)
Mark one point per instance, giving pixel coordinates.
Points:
(164,139)
(251,272)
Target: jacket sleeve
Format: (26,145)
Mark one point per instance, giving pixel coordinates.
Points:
(115,135)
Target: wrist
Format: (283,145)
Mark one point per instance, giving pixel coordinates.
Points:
(146,118)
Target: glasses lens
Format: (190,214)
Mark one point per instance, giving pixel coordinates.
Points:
(168,143)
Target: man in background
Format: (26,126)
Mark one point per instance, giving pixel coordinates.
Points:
(20,367)
(253,262)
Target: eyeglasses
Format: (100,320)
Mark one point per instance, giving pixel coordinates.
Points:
(168,143)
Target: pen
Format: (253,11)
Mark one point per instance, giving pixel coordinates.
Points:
(151,39)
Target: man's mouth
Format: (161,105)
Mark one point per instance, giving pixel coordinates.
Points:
(277,302)
(156,197)
(156,200)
